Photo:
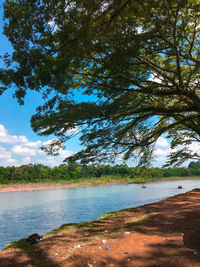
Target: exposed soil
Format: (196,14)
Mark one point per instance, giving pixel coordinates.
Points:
(52,185)
(166,233)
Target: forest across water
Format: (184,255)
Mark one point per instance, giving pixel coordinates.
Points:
(72,173)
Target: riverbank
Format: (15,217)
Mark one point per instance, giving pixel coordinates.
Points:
(165,233)
(82,183)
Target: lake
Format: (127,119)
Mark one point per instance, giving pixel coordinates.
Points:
(24,213)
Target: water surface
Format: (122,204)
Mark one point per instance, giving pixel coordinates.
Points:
(24,213)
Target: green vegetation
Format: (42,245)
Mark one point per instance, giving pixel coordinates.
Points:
(31,251)
(114,214)
(134,63)
(66,227)
(144,218)
(23,244)
(89,174)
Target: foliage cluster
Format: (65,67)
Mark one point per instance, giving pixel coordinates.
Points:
(77,173)
(135,64)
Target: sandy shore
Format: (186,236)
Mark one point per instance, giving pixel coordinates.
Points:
(51,185)
(34,187)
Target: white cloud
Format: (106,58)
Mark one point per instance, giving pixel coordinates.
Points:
(155,78)
(138,152)
(2,128)
(41,152)
(72,130)
(195,147)
(65,153)
(33,144)
(50,161)
(26,160)
(47,142)
(11,162)
(162,142)
(23,139)
(4,154)
(163,152)
(14,139)
(5,137)
(120,157)
(22,150)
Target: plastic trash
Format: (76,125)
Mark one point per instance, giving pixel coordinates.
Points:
(53,256)
(104,241)
(77,246)
(109,248)
(125,253)
(127,233)
(90,265)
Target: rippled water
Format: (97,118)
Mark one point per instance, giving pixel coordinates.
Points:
(24,213)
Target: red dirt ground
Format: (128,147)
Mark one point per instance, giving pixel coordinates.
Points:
(166,233)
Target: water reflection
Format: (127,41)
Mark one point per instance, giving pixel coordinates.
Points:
(23,213)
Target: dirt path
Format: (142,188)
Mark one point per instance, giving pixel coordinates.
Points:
(166,233)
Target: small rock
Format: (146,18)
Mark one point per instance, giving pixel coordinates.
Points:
(90,265)
(195,252)
(182,233)
(99,247)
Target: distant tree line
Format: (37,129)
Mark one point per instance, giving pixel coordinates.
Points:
(73,172)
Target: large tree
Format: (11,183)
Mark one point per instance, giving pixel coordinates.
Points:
(136,63)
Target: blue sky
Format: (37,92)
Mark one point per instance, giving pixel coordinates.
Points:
(20,145)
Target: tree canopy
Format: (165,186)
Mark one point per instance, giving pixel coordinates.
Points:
(135,62)
(73,173)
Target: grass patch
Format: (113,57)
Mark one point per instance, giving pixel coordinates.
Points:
(66,227)
(132,223)
(115,230)
(31,251)
(142,219)
(26,246)
(114,214)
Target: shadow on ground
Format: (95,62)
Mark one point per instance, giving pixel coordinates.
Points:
(167,234)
